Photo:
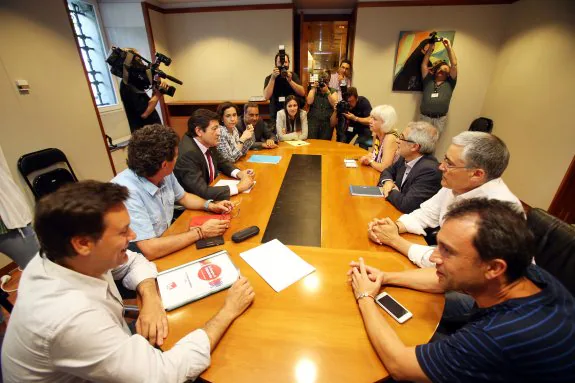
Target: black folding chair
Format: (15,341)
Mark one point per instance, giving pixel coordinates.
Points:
(45,169)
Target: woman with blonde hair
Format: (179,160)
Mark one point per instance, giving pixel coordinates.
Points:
(384,149)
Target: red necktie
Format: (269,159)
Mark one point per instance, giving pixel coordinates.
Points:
(210,165)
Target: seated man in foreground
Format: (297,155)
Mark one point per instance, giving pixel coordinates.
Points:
(200,162)
(152,154)
(471,168)
(265,137)
(67,323)
(415,176)
(523,324)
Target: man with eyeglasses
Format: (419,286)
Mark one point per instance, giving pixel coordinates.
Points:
(414,177)
(471,168)
(264,136)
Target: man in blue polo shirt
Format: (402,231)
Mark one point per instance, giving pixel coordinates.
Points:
(522,328)
(152,155)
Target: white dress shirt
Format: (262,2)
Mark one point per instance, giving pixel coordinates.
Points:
(14,209)
(431,213)
(204,149)
(68,327)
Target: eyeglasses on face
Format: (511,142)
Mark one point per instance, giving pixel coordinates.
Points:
(450,165)
(402,138)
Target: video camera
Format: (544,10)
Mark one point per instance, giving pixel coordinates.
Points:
(140,73)
(433,38)
(283,68)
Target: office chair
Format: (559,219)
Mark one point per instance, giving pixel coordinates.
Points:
(481,124)
(555,246)
(50,178)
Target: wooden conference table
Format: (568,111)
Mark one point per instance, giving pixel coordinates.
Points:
(311,331)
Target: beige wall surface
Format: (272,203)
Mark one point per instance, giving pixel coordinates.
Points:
(38,46)
(479,31)
(222,55)
(531,99)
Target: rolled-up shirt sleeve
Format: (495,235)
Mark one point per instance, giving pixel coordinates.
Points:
(426,216)
(92,346)
(135,270)
(420,254)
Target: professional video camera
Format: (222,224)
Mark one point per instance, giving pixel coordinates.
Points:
(140,73)
(283,68)
(433,38)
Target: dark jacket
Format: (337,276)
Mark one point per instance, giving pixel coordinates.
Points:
(422,183)
(192,171)
(261,133)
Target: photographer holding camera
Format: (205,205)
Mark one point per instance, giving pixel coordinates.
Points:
(353,118)
(438,84)
(281,83)
(322,100)
(140,108)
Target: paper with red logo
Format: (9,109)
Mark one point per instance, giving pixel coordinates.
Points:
(197,279)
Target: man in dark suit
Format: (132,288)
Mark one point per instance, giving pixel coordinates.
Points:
(264,135)
(415,176)
(199,161)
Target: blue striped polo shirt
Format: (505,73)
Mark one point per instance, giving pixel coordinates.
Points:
(529,339)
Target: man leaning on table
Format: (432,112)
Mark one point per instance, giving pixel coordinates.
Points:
(472,168)
(67,324)
(152,154)
(523,324)
(199,161)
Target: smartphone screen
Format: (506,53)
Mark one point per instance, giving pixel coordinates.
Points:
(389,303)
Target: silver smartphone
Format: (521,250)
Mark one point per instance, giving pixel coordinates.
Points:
(393,308)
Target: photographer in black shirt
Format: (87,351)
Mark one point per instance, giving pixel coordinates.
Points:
(355,109)
(140,108)
(280,84)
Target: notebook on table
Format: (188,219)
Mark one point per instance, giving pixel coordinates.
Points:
(366,191)
(197,279)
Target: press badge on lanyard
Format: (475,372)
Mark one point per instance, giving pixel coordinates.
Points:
(435,95)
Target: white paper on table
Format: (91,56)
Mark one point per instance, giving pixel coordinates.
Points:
(233,182)
(350,163)
(276,264)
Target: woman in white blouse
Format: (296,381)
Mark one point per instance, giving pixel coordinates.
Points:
(291,121)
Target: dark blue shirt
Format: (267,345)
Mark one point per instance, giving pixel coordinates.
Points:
(528,339)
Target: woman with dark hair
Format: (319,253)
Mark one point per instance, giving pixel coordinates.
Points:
(291,121)
(232,146)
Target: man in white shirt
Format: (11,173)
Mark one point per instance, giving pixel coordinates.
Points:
(67,324)
(472,168)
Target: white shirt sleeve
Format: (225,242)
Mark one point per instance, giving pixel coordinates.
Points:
(92,346)
(420,254)
(135,270)
(426,216)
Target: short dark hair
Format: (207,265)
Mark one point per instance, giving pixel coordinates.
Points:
(223,107)
(250,104)
(149,147)
(502,232)
(75,209)
(348,62)
(200,118)
(278,55)
(351,91)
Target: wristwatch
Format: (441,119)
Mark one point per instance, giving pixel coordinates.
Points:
(364,295)
(207,203)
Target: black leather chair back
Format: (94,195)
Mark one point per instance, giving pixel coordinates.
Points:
(48,181)
(555,241)
(481,124)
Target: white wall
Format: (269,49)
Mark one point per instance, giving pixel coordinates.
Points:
(531,99)
(222,55)
(479,32)
(37,45)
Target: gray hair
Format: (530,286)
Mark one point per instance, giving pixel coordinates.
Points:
(484,151)
(424,134)
(387,114)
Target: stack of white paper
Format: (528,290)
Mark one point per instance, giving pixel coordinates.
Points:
(276,264)
(350,163)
